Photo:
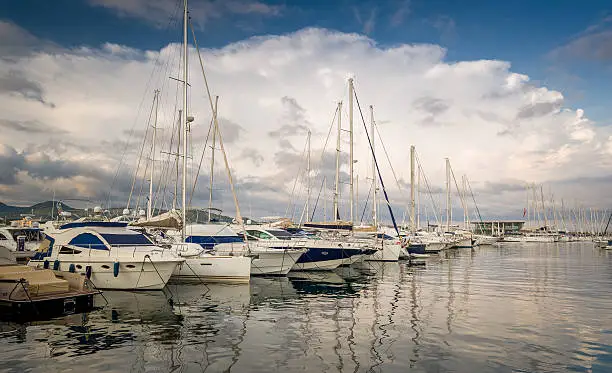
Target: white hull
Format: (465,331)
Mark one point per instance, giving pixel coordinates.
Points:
(389,253)
(435,246)
(133,275)
(463,243)
(485,240)
(214,268)
(274,263)
(324,265)
(265,260)
(404,253)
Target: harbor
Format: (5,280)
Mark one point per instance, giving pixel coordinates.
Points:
(513,307)
(245,186)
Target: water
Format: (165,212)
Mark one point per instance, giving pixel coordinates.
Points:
(512,308)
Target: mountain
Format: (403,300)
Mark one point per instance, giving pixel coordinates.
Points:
(42,212)
(39,210)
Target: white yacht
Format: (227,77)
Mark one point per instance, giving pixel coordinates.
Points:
(109,254)
(22,241)
(320,254)
(200,263)
(266,257)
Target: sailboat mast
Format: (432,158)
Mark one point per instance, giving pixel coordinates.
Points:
(448,195)
(185,118)
(324,199)
(212,159)
(412,200)
(544,208)
(351,155)
(418,216)
(178,146)
(150,202)
(336,194)
(308,179)
(374,178)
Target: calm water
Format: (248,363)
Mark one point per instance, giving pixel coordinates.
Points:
(512,308)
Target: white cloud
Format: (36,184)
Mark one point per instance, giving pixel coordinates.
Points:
(492,122)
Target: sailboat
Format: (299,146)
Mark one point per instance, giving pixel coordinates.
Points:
(199,264)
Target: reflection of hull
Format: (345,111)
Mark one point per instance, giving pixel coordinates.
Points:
(214,268)
(389,253)
(132,275)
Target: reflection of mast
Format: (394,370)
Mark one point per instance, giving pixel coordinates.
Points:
(414,319)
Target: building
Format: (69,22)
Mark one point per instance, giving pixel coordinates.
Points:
(497,227)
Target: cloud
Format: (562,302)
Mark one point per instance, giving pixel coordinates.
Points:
(30,126)
(368,24)
(273,89)
(162,12)
(14,82)
(400,13)
(593,44)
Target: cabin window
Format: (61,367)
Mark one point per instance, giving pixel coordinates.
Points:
(68,250)
(3,237)
(88,241)
(126,239)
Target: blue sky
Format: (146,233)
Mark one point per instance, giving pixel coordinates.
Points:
(522,32)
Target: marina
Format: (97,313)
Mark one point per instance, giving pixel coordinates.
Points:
(511,307)
(199,195)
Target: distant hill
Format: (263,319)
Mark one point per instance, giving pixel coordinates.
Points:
(42,212)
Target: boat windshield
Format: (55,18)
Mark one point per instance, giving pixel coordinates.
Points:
(126,239)
(280,234)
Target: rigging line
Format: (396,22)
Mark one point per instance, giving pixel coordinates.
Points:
(433,202)
(317,200)
(474,199)
(290,202)
(211,125)
(365,206)
(144,140)
(125,149)
(390,164)
(458,191)
(382,183)
(331,127)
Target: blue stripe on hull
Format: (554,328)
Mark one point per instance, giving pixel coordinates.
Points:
(319,255)
(418,248)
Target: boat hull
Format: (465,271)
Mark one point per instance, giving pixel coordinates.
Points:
(324,259)
(132,274)
(214,268)
(389,253)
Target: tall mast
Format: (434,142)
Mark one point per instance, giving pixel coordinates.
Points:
(324,199)
(178,149)
(336,194)
(308,180)
(351,155)
(212,159)
(186,118)
(412,200)
(544,208)
(150,202)
(418,216)
(527,207)
(374,178)
(448,195)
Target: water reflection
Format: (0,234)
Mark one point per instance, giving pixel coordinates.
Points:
(497,309)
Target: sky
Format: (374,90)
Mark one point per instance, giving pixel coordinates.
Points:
(513,93)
